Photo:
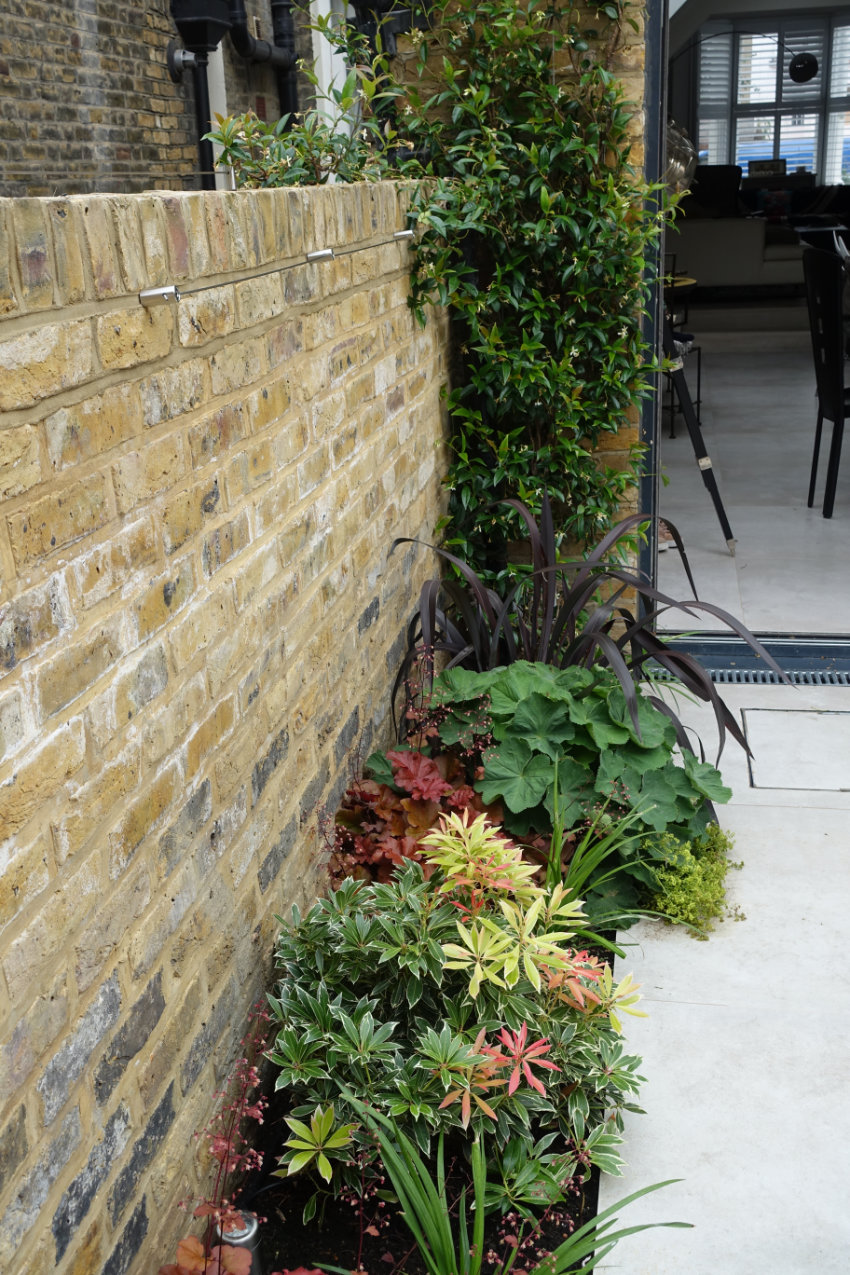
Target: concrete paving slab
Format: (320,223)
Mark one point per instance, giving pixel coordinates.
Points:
(820,759)
(747,1047)
(758,412)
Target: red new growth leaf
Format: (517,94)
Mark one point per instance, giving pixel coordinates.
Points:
(524,1057)
(567,987)
(418,775)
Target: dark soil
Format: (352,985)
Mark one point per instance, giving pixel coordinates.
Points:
(379,1242)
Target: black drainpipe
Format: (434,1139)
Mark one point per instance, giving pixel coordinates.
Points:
(205,121)
(283,34)
(280,55)
(202,26)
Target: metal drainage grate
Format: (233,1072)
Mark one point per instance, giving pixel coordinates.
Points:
(730,661)
(763,677)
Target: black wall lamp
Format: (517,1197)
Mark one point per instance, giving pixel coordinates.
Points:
(802,68)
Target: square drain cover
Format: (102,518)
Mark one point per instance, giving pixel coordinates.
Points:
(798,748)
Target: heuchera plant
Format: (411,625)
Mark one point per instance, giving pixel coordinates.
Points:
(226,1140)
(381,821)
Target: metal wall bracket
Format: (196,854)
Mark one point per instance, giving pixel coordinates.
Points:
(179,60)
(159,296)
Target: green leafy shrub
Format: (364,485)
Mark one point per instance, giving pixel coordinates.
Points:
(461,1000)
(691,887)
(539,717)
(346,137)
(533,228)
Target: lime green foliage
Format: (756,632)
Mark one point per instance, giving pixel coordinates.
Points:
(477,858)
(507,947)
(692,887)
(535,234)
(317,1141)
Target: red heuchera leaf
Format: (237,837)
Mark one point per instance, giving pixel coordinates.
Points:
(377,827)
(191,1255)
(232,1260)
(418,775)
(462,798)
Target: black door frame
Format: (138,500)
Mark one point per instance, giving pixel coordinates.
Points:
(807,658)
(655,116)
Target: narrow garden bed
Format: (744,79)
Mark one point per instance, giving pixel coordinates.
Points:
(446,1030)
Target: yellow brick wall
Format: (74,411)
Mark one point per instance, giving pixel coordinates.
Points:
(199,623)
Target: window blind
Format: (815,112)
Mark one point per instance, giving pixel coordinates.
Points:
(749,108)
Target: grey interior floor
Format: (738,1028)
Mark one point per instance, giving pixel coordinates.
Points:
(791,570)
(746,1044)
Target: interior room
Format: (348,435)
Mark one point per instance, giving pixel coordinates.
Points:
(771,132)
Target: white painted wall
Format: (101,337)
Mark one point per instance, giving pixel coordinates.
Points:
(218,106)
(328,64)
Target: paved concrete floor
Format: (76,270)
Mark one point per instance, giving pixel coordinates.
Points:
(747,1045)
(791,570)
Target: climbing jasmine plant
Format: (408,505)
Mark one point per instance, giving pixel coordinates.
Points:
(534,233)
(533,228)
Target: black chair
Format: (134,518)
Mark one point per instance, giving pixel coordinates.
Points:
(824,275)
(715,191)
